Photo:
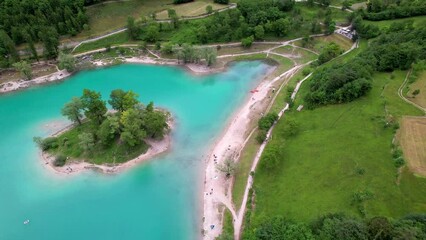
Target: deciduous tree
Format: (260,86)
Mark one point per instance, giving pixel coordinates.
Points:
(73,110)
(94,106)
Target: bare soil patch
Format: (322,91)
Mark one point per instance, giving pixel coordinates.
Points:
(413,142)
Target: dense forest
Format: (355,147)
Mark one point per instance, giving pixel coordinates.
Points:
(390,9)
(398,48)
(26,21)
(37,21)
(339,226)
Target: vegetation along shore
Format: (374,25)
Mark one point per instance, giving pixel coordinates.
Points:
(105,139)
(329,145)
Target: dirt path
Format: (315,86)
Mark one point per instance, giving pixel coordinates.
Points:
(401,94)
(216,194)
(215,184)
(231,6)
(239,220)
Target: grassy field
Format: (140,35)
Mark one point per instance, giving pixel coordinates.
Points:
(316,12)
(420,84)
(191,9)
(109,16)
(341,150)
(106,17)
(249,151)
(239,49)
(413,142)
(320,42)
(386,23)
(299,55)
(228,229)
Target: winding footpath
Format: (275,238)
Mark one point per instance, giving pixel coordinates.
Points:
(218,189)
(231,6)
(401,94)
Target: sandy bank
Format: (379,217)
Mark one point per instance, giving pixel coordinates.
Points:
(156,147)
(217,188)
(74,166)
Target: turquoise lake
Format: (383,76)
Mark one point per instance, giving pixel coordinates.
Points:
(159,199)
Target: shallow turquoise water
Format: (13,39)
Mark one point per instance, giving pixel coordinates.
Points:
(155,200)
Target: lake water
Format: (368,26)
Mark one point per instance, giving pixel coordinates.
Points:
(159,199)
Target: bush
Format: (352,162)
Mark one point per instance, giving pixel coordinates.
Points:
(247,42)
(266,122)
(209,9)
(399,162)
(261,136)
(47,143)
(60,161)
(221,1)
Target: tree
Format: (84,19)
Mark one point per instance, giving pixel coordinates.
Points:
(167,48)
(121,100)
(30,42)
(330,25)
(67,61)
(152,32)
(73,110)
(228,167)
(281,27)
(329,52)
(109,130)
(50,38)
(266,122)
(247,42)
(279,228)
(25,69)
(259,32)
(154,123)
(94,106)
(132,29)
(210,55)
(349,229)
(87,141)
(132,132)
(379,228)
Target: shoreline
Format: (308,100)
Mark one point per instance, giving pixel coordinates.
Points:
(62,75)
(216,187)
(156,148)
(74,166)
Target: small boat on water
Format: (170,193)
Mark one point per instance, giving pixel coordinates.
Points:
(26,221)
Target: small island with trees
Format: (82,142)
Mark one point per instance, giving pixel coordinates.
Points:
(104,139)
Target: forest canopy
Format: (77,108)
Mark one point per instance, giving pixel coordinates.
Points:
(398,48)
(27,20)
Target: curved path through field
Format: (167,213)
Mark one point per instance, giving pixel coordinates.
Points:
(401,94)
(218,190)
(231,6)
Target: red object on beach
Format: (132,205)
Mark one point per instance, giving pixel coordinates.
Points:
(254,91)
